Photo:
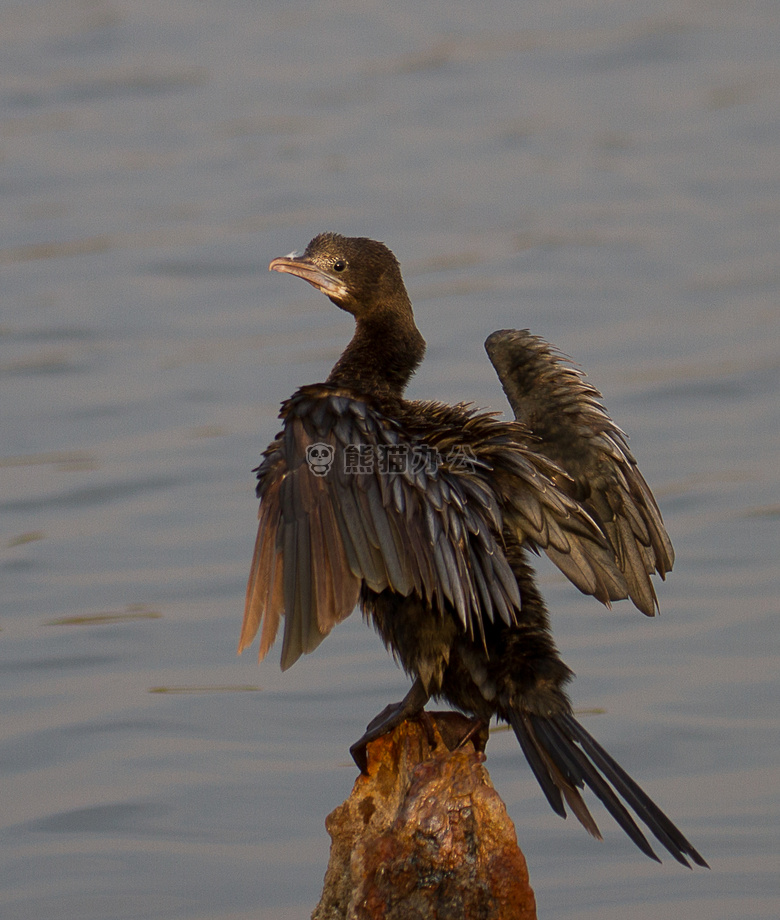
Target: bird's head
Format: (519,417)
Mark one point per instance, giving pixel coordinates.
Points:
(359,275)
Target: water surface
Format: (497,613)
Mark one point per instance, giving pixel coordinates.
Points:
(605,173)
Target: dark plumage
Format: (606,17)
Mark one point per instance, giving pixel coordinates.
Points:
(423,513)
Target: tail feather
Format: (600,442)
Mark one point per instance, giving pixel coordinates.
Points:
(554,778)
(565,758)
(560,746)
(552,774)
(537,760)
(663,829)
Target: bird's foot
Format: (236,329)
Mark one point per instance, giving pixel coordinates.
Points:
(477,733)
(388,719)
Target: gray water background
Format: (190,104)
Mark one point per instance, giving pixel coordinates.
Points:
(605,173)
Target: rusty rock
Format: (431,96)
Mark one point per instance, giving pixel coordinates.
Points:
(424,836)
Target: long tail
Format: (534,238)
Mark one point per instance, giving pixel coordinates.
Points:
(565,758)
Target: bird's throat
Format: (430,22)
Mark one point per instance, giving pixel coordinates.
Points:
(383,355)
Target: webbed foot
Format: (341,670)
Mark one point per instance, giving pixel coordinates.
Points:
(390,717)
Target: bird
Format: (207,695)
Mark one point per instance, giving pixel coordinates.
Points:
(425,515)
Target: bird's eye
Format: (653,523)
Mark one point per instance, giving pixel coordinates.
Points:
(339,265)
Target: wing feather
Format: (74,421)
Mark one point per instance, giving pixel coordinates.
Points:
(569,426)
(438,531)
(435,531)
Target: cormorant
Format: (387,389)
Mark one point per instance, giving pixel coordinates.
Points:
(423,514)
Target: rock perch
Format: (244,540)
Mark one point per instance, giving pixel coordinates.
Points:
(424,835)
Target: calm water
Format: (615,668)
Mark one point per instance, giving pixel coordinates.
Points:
(606,173)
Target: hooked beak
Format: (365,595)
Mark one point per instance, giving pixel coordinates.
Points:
(317,277)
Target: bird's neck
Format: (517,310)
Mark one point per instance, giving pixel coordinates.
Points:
(384,353)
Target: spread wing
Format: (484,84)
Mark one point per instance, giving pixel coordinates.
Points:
(565,414)
(382,515)
(396,510)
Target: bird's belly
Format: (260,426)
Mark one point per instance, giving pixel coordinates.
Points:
(431,645)
(418,634)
